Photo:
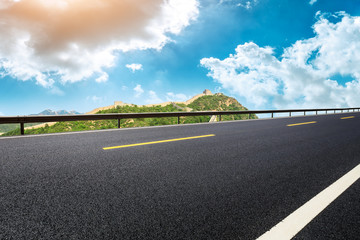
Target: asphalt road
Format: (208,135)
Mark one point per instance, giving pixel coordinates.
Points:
(237,183)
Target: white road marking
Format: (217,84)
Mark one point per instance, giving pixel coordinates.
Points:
(296,221)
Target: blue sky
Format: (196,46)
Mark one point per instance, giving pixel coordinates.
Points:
(265,53)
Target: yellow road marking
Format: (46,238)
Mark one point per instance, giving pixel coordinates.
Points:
(161,141)
(297,124)
(347,117)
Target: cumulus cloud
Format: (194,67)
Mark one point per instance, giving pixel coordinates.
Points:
(134,67)
(312,2)
(102,78)
(153,98)
(218,89)
(310,73)
(176,97)
(247,4)
(138,90)
(71,40)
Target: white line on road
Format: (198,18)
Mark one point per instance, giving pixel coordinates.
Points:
(296,221)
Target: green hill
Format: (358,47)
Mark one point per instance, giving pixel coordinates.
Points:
(9,127)
(217,102)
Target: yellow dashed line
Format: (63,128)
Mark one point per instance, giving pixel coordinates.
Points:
(162,141)
(297,124)
(347,117)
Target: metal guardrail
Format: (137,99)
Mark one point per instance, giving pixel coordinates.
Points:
(88,117)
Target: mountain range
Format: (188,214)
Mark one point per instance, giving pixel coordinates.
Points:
(205,101)
(59,112)
(9,127)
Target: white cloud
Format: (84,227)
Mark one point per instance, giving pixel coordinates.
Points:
(103,78)
(134,67)
(95,99)
(71,40)
(153,98)
(138,90)
(312,2)
(1,114)
(306,73)
(56,91)
(218,89)
(178,97)
(247,4)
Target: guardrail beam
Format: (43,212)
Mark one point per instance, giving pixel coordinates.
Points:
(91,117)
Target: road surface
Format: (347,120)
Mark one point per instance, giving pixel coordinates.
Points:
(233,180)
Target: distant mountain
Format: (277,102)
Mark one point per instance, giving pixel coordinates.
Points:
(60,112)
(201,102)
(10,127)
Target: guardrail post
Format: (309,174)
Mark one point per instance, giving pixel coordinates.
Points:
(22,129)
(113,117)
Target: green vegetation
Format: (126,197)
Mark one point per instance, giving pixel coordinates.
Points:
(10,127)
(218,102)
(136,109)
(181,105)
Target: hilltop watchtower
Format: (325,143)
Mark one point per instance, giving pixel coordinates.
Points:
(207,92)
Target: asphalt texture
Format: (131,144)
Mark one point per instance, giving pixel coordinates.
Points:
(237,184)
